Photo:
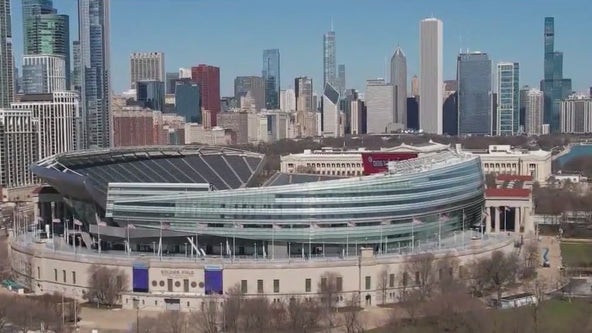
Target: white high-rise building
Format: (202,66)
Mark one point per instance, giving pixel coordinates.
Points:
(430,75)
(288,100)
(399,83)
(19,144)
(532,101)
(331,116)
(576,114)
(380,117)
(146,66)
(59,120)
(184,73)
(44,73)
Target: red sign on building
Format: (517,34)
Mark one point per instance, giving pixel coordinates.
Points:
(378,162)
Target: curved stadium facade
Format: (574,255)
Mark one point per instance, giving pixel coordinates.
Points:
(182,213)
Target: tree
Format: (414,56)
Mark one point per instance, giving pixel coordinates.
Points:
(105,285)
(329,288)
(537,288)
(422,267)
(302,315)
(496,272)
(351,317)
(232,309)
(454,310)
(530,258)
(490,180)
(173,322)
(5,302)
(206,320)
(383,284)
(256,315)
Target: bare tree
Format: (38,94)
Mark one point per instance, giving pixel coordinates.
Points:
(351,317)
(382,283)
(531,258)
(454,310)
(5,302)
(301,315)
(206,319)
(421,267)
(232,309)
(147,325)
(538,289)
(496,272)
(106,284)
(256,314)
(329,288)
(446,269)
(173,322)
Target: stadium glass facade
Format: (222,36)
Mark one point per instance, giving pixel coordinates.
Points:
(204,192)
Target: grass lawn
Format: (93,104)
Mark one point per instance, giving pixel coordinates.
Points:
(554,316)
(576,254)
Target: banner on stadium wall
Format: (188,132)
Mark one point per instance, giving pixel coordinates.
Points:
(377,162)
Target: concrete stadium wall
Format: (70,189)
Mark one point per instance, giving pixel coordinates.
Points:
(45,271)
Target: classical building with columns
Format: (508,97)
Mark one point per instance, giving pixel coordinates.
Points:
(505,159)
(509,206)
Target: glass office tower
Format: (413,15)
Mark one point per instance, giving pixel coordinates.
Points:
(508,98)
(271,77)
(474,93)
(555,88)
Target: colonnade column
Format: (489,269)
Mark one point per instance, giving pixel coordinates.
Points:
(487,220)
(517,219)
(497,219)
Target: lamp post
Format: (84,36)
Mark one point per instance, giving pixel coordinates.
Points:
(137,306)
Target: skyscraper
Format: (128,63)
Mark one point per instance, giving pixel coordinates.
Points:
(19,144)
(254,84)
(59,120)
(341,80)
(576,114)
(399,83)
(508,98)
(150,94)
(329,59)
(331,117)
(93,33)
(45,32)
(208,79)
(414,86)
(43,74)
(379,106)
(473,75)
(170,81)
(6,57)
(187,100)
(531,100)
(303,92)
(271,77)
(146,66)
(430,75)
(555,88)
(76,70)
(288,100)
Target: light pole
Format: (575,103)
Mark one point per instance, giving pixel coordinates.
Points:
(137,306)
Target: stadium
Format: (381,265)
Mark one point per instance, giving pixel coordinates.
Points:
(203,219)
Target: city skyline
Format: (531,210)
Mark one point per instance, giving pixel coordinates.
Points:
(302,52)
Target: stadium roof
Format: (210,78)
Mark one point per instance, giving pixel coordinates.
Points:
(280,178)
(87,174)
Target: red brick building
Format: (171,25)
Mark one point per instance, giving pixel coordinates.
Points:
(208,79)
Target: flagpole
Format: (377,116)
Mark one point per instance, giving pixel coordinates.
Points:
(412,237)
(272,241)
(160,242)
(440,233)
(99,235)
(128,240)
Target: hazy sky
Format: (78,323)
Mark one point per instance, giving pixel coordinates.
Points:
(232,34)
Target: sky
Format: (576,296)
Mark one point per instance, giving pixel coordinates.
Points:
(232,34)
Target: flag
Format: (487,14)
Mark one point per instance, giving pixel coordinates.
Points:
(228,252)
(76,222)
(131,226)
(165,225)
(416,221)
(101,224)
(444,217)
(351,224)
